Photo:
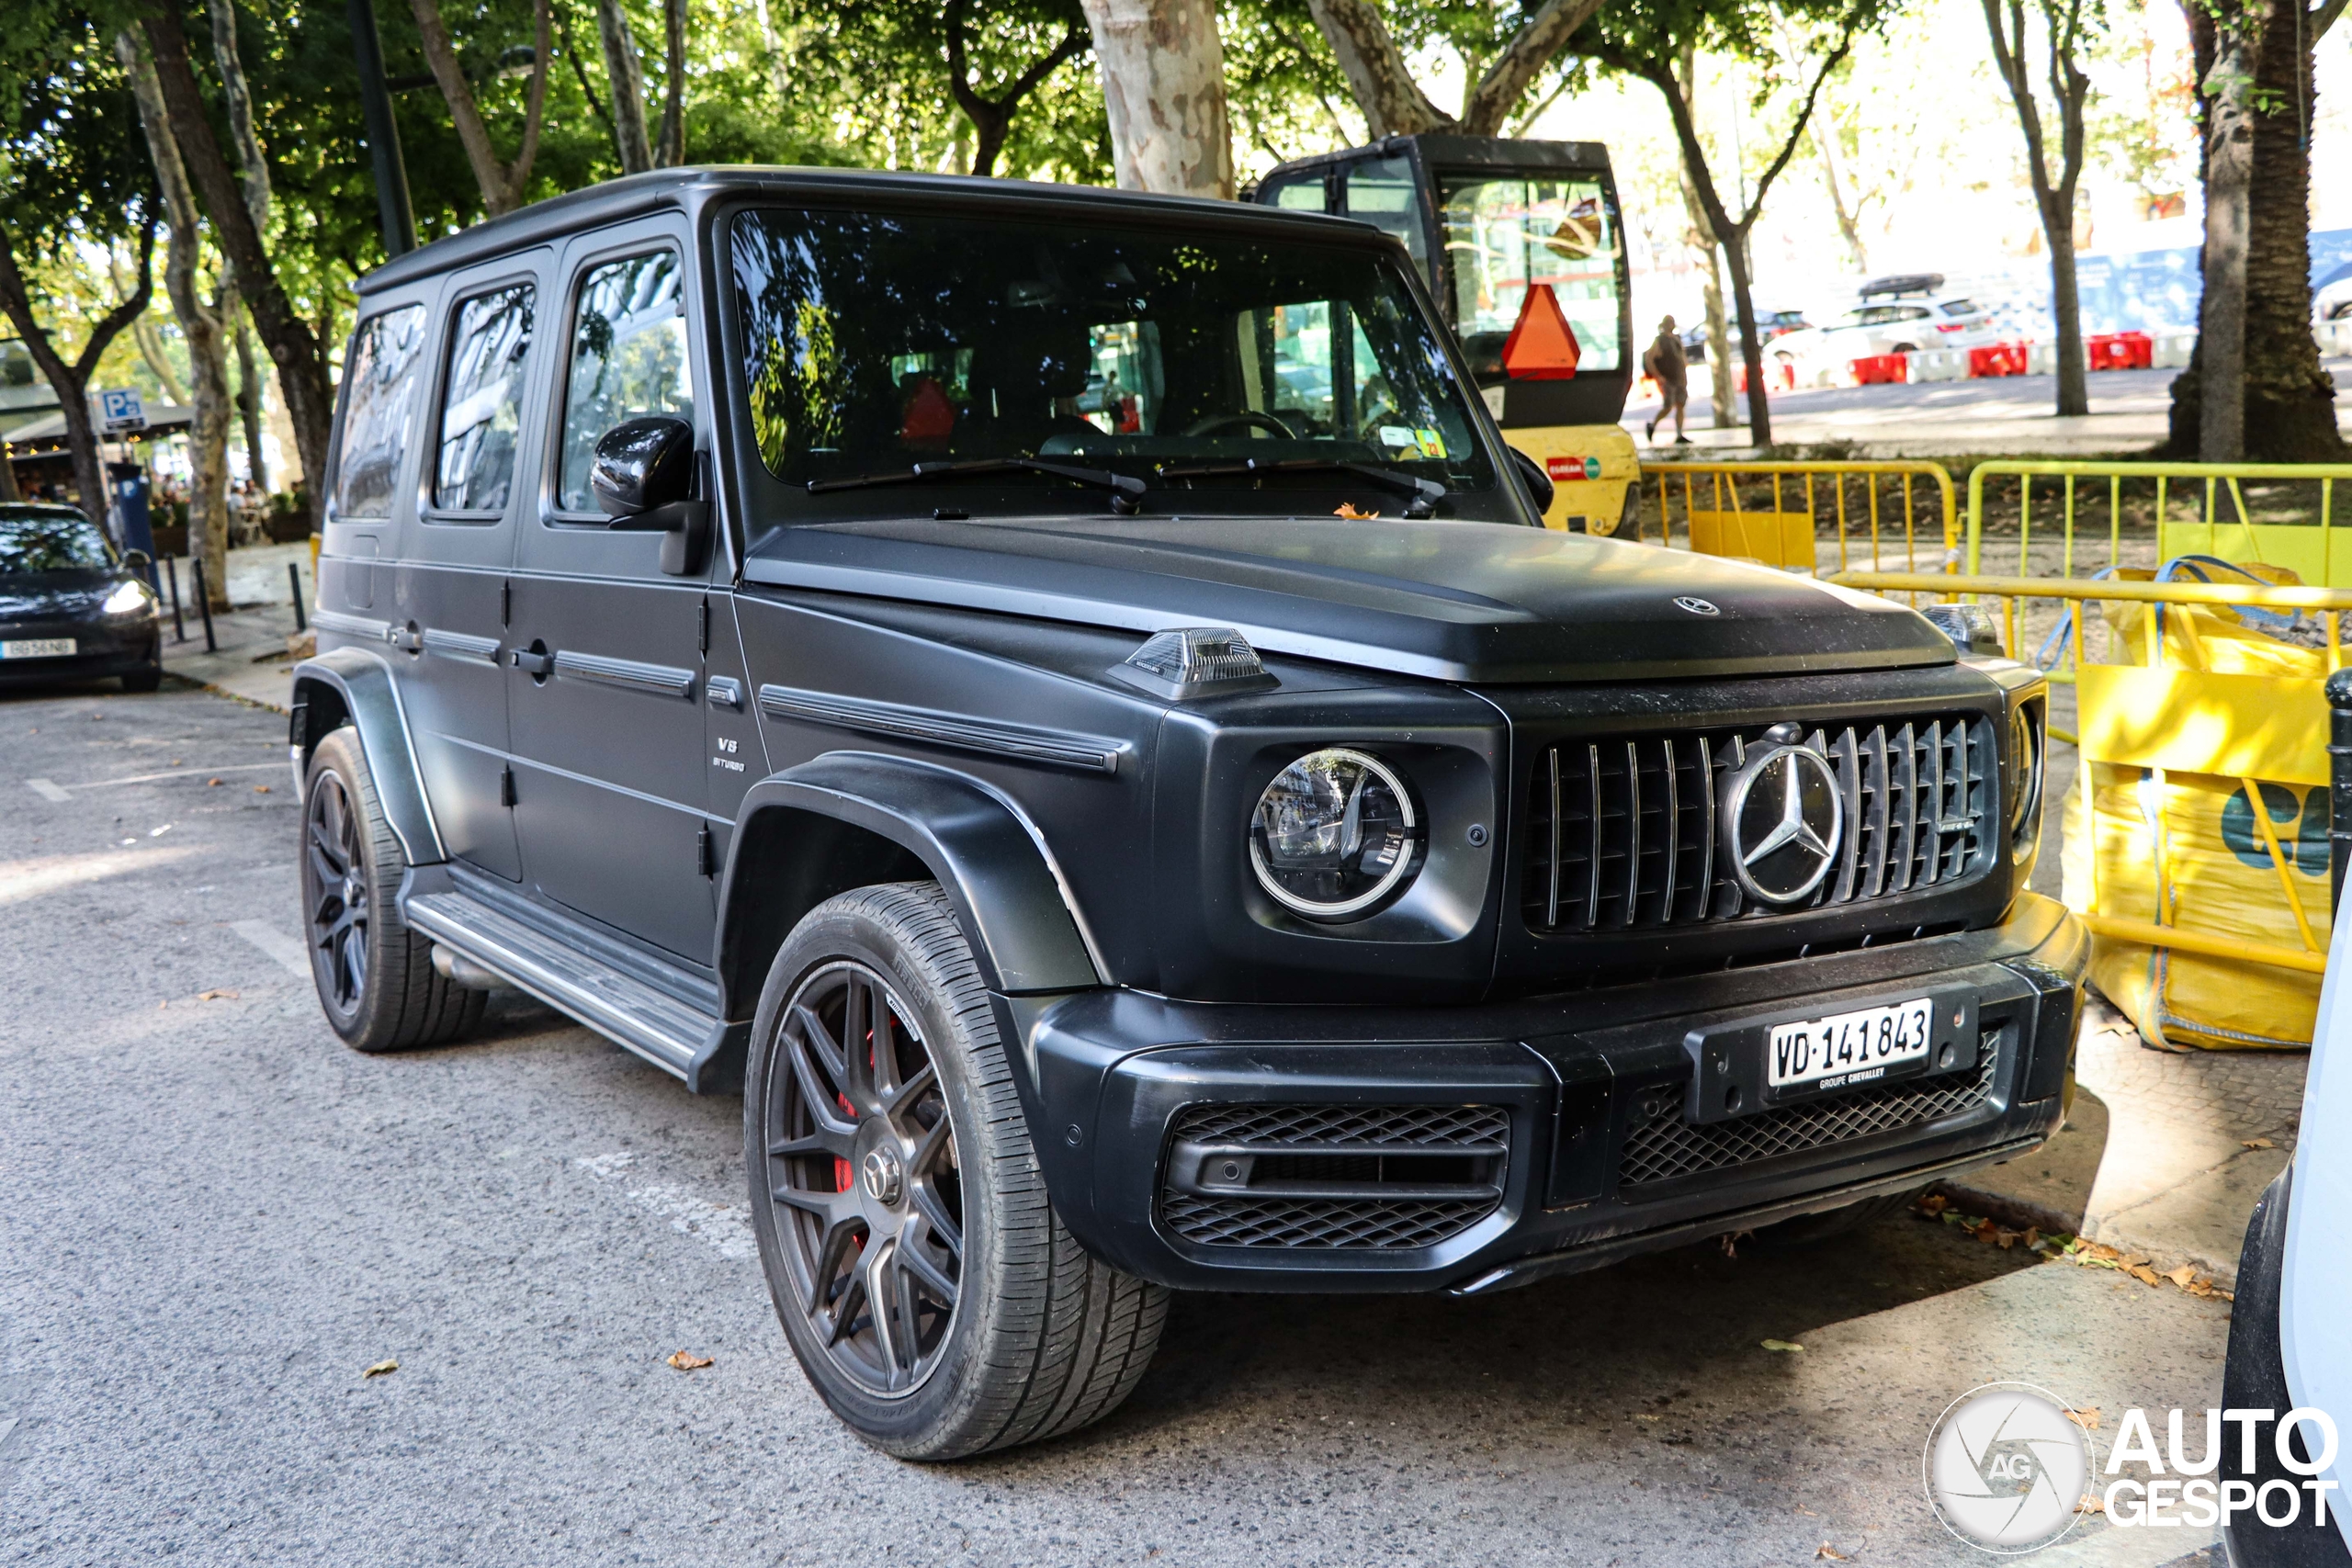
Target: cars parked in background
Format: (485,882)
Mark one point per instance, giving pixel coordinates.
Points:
(1769,325)
(72,607)
(1896,315)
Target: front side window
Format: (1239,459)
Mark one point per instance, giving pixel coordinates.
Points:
(481,403)
(873,340)
(44,538)
(628,361)
(1505,236)
(380,374)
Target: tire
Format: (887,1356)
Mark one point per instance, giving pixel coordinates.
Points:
(1002,1329)
(146,679)
(375,976)
(1906,348)
(1807,1229)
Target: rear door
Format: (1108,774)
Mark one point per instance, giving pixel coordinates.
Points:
(608,706)
(449,618)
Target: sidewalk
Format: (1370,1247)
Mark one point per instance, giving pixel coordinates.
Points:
(252,662)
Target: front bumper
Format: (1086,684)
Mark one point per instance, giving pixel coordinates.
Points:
(1136,1103)
(104,645)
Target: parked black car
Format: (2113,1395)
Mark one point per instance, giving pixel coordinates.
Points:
(1061,695)
(72,607)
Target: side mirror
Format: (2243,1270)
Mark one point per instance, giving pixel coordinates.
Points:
(1539,482)
(641,465)
(138,560)
(643,478)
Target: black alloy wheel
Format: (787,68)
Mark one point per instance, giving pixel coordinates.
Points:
(862,1154)
(933,1297)
(336,892)
(375,976)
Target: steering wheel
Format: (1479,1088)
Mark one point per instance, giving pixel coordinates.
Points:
(1247,417)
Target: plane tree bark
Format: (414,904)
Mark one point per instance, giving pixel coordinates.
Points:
(1163,88)
(1394,104)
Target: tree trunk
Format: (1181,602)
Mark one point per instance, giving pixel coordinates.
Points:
(629,87)
(250,164)
(1722,396)
(1163,86)
(2229,168)
(1392,102)
(303,374)
(502,184)
(670,148)
(1847,228)
(2066,310)
(2290,400)
(151,352)
(249,405)
(2053,198)
(204,326)
(1751,348)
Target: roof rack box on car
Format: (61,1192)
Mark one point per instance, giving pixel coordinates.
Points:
(1904,283)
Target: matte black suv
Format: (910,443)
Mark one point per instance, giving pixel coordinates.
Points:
(1061,696)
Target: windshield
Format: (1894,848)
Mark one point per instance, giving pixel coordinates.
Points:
(37,539)
(1505,235)
(874,341)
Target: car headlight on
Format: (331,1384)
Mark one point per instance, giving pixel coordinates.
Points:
(128,598)
(2026,750)
(1334,834)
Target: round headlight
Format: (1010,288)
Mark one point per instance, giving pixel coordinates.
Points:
(127,598)
(2025,777)
(1334,834)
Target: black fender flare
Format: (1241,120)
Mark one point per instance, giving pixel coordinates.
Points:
(355,685)
(984,851)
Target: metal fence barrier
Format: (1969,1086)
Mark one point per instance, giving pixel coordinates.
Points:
(1879,515)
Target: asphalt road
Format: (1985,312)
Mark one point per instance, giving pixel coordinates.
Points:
(216,1217)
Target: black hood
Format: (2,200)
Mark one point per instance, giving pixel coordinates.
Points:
(1467,601)
(69,594)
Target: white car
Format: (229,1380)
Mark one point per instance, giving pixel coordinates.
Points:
(1897,315)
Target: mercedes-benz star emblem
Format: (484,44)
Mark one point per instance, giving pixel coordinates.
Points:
(879,1171)
(1696,607)
(1783,817)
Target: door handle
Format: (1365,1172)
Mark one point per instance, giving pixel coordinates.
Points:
(532,663)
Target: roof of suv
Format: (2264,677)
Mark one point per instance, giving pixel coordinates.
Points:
(634,193)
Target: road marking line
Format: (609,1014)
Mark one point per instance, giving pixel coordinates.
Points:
(7,1425)
(291,955)
(726,1228)
(174,773)
(47,790)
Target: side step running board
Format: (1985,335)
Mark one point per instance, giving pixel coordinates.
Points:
(671,1034)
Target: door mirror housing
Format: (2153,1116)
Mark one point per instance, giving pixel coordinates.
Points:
(138,560)
(1539,482)
(644,480)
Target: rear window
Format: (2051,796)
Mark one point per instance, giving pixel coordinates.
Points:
(379,407)
(39,540)
(1962,307)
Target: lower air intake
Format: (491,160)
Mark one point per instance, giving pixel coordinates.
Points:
(1383,1178)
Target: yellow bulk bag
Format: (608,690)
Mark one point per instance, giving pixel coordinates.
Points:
(2229,699)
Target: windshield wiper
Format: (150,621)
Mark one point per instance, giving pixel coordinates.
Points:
(1426,493)
(1126,491)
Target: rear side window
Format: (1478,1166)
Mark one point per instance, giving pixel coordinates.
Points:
(628,361)
(381,371)
(481,403)
(1961,308)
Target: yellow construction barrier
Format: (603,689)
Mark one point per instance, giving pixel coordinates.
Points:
(2197,834)
(1883,515)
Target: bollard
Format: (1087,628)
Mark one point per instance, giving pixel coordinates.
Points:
(2339,771)
(294,576)
(180,627)
(204,604)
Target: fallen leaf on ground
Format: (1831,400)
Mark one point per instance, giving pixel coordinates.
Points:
(218,994)
(2091,1503)
(1933,1204)
(176,762)
(2144,1274)
(687,1361)
(2087,1417)
(2032,1236)
(261,789)
(2257,1142)
(2134,1259)
(1808,1513)
(1782,1344)
(212,783)
(380,1369)
(2181,1275)
(1832,1553)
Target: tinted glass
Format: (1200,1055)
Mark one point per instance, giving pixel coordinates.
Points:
(872,341)
(1505,236)
(1384,193)
(1959,307)
(482,403)
(380,374)
(38,540)
(628,360)
(1301,195)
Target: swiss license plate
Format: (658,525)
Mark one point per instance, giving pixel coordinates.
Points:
(1848,1047)
(39,648)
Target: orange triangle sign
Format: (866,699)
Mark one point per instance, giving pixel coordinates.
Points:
(1542,345)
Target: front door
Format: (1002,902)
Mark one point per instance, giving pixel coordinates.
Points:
(607,694)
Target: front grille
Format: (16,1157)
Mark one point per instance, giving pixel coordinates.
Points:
(1666,1147)
(1624,832)
(1323,1176)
